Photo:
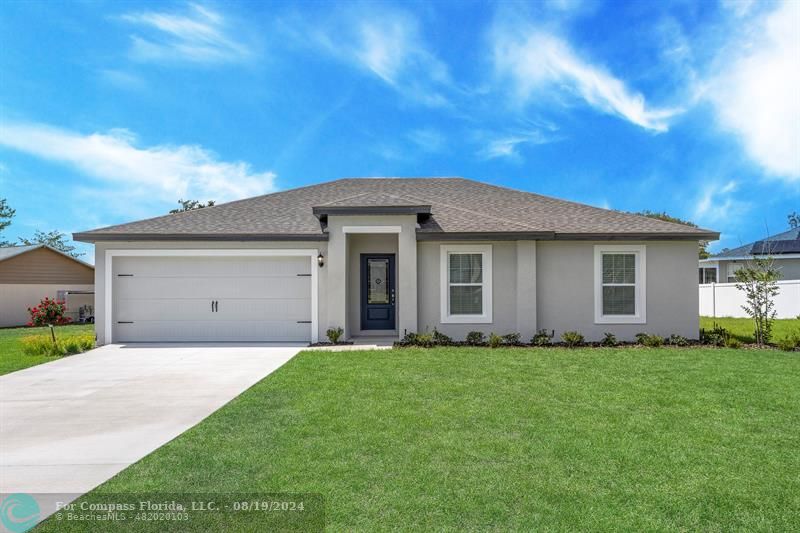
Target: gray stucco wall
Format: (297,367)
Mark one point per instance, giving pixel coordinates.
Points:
(100,269)
(544,284)
(565,290)
(504,291)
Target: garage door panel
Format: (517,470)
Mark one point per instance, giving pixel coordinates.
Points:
(212,266)
(168,299)
(228,309)
(211,288)
(212,331)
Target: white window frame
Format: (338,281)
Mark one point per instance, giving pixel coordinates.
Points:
(640,253)
(444,268)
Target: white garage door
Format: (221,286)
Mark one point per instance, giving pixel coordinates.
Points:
(206,299)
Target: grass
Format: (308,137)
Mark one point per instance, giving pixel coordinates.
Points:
(742,328)
(12,357)
(507,439)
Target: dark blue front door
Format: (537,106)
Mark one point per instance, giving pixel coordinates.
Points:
(377,291)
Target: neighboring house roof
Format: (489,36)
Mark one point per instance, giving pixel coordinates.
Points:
(7,252)
(446,208)
(787,242)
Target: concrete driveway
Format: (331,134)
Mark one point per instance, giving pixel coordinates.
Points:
(69,425)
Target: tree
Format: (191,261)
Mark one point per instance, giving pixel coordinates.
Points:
(759,281)
(794,219)
(190,205)
(54,239)
(6,214)
(702,252)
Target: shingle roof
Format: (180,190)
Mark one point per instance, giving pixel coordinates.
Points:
(786,242)
(457,206)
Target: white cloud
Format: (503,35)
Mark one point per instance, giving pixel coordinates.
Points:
(740,8)
(428,139)
(757,91)
(157,173)
(536,61)
(716,203)
(388,44)
(197,35)
(123,80)
(507,144)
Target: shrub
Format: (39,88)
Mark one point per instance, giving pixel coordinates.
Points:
(733,342)
(572,338)
(39,345)
(48,312)
(476,338)
(512,339)
(789,343)
(651,341)
(495,341)
(677,340)
(423,340)
(334,334)
(542,338)
(609,339)
(716,336)
(44,345)
(440,338)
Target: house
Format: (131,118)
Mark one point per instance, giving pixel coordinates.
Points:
(783,248)
(28,274)
(384,256)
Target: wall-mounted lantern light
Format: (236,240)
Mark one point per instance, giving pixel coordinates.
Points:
(320,260)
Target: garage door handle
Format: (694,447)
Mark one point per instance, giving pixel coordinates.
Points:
(304,322)
(304,275)
(124,322)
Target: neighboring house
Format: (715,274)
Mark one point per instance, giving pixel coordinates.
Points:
(28,274)
(385,256)
(784,248)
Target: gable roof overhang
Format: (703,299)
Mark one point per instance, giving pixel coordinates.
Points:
(553,236)
(322,211)
(103,237)
(421,236)
(17,251)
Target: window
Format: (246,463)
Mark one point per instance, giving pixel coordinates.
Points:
(619,284)
(732,268)
(708,274)
(466,279)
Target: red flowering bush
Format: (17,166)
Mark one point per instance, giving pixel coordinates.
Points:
(48,312)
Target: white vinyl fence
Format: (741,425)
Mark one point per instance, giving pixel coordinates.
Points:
(724,299)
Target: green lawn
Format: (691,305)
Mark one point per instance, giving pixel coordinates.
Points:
(742,328)
(11,356)
(508,439)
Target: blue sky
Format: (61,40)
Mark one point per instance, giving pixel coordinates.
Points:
(112,111)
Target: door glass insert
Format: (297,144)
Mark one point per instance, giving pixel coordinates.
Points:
(378,286)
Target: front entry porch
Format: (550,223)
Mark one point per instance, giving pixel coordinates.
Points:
(372,277)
